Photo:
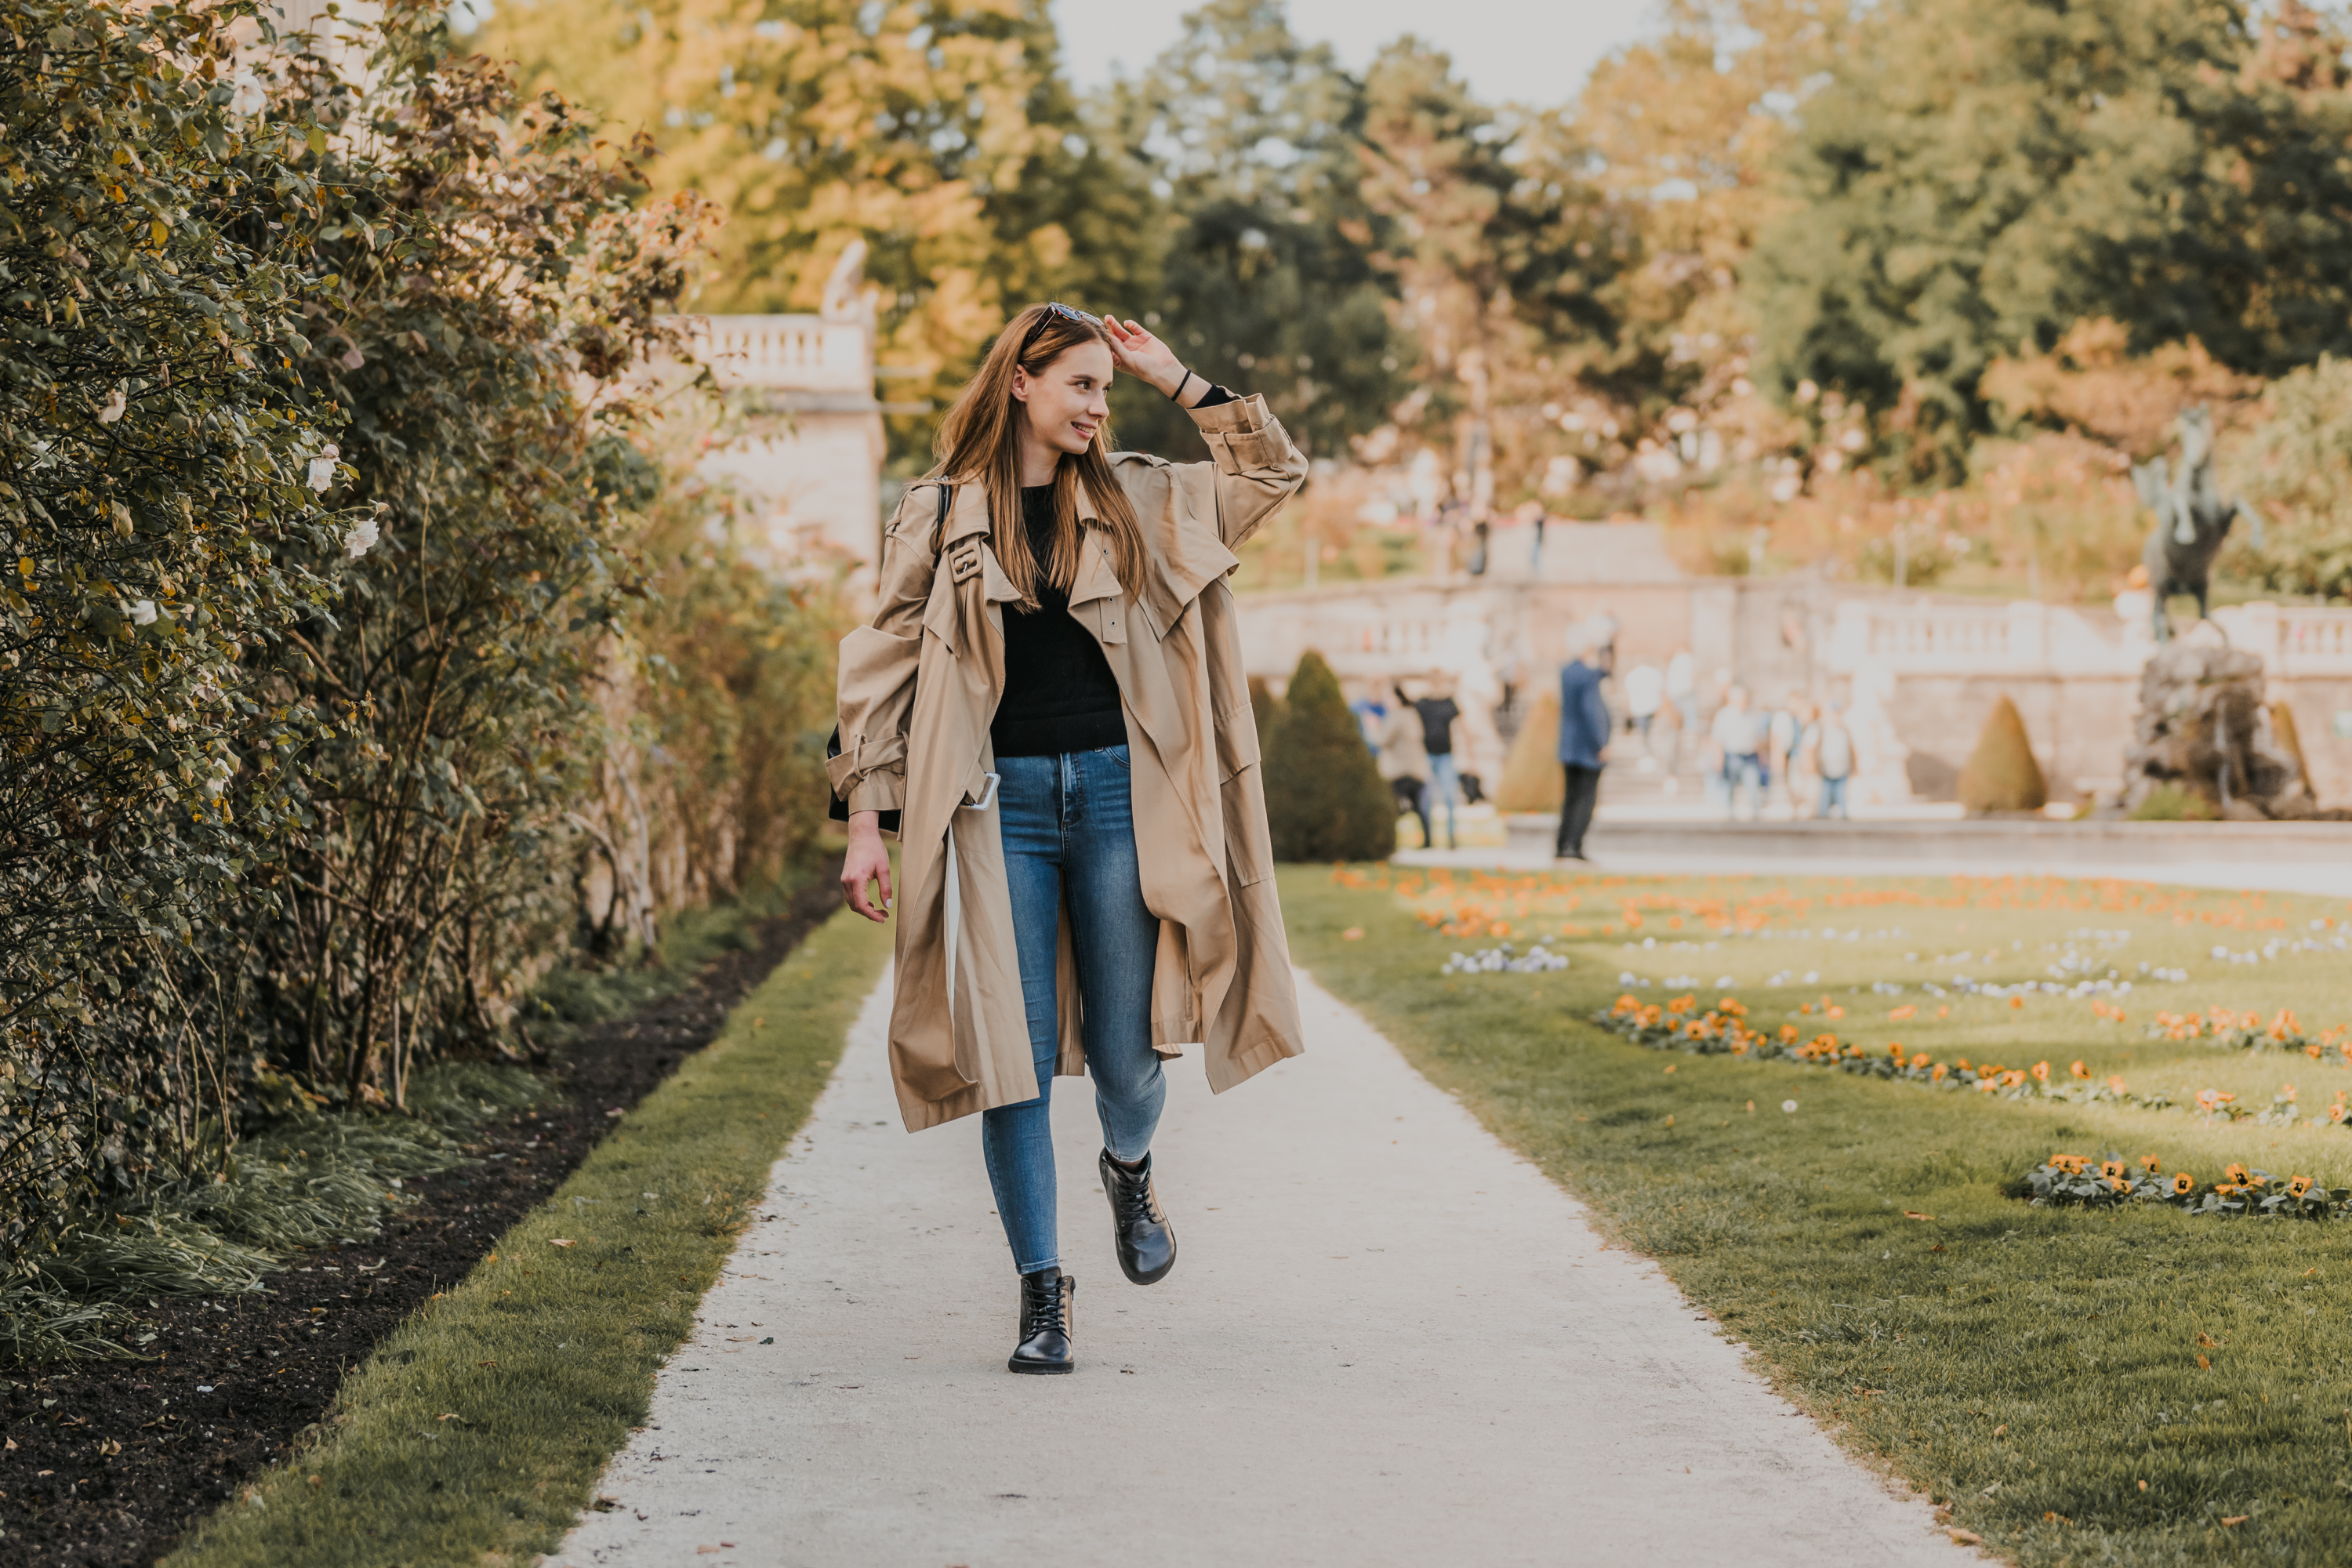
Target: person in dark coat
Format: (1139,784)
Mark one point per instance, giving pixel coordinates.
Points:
(1583,748)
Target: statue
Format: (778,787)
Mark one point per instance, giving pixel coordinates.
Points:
(844,288)
(2192,518)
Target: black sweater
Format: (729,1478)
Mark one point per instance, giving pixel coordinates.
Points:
(1060,693)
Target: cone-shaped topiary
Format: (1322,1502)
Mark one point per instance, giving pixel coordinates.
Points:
(1267,709)
(1531,777)
(1325,799)
(2001,775)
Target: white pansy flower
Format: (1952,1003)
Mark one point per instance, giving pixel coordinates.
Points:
(361,538)
(142,612)
(116,402)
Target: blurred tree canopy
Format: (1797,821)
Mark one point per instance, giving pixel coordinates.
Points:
(1979,175)
(1784,246)
(1264,251)
(2297,467)
(942,133)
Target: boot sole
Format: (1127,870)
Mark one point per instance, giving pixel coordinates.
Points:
(1040,1368)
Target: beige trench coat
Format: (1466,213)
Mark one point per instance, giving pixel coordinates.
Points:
(919,691)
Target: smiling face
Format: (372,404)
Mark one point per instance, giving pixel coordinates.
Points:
(1066,403)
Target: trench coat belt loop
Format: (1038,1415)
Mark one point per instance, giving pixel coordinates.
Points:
(955,885)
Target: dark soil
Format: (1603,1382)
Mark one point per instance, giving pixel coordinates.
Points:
(106,1463)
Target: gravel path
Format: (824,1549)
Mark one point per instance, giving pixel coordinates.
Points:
(1388,1339)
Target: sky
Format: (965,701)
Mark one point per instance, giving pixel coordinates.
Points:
(1526,51)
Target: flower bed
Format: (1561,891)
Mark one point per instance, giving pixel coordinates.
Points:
(2076,1181)
(2245,1031)
(1506,959)
(1724,1030)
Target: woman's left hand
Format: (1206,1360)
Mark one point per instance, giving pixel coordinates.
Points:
(1143,356)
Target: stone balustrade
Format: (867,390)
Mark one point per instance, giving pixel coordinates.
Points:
(791,354)
(2024,637)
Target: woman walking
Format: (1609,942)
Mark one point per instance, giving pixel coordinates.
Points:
(1050,702)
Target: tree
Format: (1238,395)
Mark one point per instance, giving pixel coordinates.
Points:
(1264,257)
(1680,136)
(1981,175)
(162,530)
(2297,464)
(1325,798)
(939,133)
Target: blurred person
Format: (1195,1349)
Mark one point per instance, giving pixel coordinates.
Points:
(1739,738)
(1645,693)
(1585,727)
(1404,761)
(1804,785)
(1681,695)
(1828,757)
(1783,731)
(1371,717)
(1438,714)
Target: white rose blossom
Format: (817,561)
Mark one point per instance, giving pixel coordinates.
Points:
(246,96)
(116,402)
(322,468)
(142,612)
(361,538)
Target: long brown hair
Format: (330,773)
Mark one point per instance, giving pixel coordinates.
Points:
(981,438)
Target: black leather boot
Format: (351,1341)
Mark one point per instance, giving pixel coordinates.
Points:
(1047,1298)
(1147,1242)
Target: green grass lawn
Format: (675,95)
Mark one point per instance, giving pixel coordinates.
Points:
(2138,1386)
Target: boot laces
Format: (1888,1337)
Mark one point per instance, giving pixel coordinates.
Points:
(1043,1307)
(1132,1197)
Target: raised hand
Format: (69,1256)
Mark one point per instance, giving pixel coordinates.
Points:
(1146,358)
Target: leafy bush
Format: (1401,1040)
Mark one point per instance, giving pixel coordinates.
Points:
(480,357)
(739,665)
(2001,775)
(2173,802)
(1325,799)
(294,798)
(161,531)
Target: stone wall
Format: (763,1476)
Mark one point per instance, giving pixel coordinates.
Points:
(1929,667)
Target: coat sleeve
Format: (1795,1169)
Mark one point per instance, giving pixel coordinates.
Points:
(1257,465)
(876,694)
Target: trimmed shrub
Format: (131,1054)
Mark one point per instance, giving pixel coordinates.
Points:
(1531,776)
(2000,774)
(1267,709)
(1325,799)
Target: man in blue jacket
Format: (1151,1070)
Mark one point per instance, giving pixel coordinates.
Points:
(1583,745)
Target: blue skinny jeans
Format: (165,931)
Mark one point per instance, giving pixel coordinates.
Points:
(1070,833)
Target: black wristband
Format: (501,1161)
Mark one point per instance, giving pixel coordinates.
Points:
(1180,386)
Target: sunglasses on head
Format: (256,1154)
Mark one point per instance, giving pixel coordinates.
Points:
(1053,309)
